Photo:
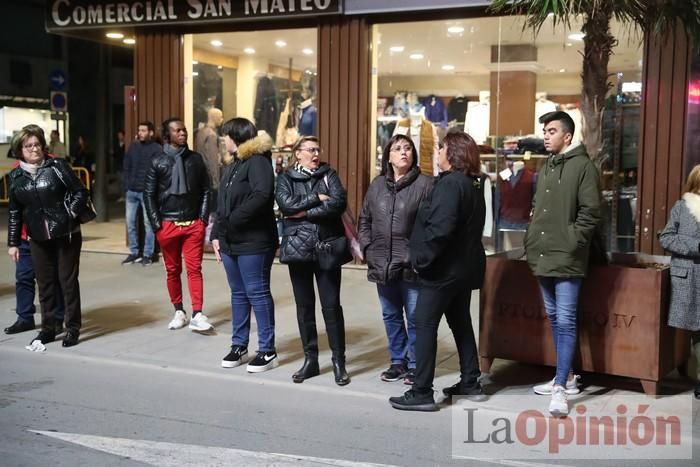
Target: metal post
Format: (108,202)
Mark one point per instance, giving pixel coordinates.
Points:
(101,158)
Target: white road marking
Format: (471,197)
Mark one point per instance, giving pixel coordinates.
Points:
(185,455)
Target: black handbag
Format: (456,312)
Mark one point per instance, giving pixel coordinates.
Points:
(87,212)
(333,253)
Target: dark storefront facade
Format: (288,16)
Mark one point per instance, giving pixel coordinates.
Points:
(353,71)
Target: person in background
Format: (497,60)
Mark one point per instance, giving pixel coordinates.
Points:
(137,160)
(83,156)
(681,237)
(447,253)
(118,152)
(244,238)
(176,196)
(385,226)
(25,278)
(312,199)
(566,213)
(56,147)
(39,188)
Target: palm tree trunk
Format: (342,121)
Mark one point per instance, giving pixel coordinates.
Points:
(598,44)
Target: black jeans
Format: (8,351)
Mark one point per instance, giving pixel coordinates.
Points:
(452,300)
(62,254)
(328,283)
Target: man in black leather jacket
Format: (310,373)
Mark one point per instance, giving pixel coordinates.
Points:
(176,196)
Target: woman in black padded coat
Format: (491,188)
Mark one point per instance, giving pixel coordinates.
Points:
(46,195)
(312,199)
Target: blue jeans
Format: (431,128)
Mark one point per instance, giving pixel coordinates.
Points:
(560,301)
(249,279)
(395,297)
(24,287)
(134,199)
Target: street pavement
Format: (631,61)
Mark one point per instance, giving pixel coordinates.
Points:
(135,393)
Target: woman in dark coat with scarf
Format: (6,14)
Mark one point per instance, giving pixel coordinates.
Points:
(312,199)
(447,254)
(244,238)
(46,195)
(385,225)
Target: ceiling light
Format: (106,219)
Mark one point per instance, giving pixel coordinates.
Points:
(195,62)
(416,56)
(249,50)
(448,67)
(220,67)
(195,73)
(562,70)
(396,48)
(216,43)
(569,44)
(455,29)
(307,51)
(578,36)
(129,41)
(115,35)
(550,14)
(280,44)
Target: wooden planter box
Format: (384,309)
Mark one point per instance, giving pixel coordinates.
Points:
(622,317)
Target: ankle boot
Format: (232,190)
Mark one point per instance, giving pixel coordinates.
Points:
(308,370)
(341,376)
(697,391)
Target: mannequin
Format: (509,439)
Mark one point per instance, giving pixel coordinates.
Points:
(515,203)
(307,118)
(517,167)
(542,106)
(208,145)
(476,122)
(424,136)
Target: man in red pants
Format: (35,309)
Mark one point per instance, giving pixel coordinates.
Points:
(176,197)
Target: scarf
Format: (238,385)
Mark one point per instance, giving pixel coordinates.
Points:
(301,169)
(31,169)
(178,179)
(692,201)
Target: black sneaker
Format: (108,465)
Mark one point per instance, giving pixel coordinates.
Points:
(20,326)
(71,338)
(474,393)
(411,400)
(44,337)
(235,357)
(131,259)
(146,262)
(394,373)
(410,377)
(263,361)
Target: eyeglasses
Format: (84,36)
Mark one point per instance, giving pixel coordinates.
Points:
(405,148)
(29,147)
(315,151)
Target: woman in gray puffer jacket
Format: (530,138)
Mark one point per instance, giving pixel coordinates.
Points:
(385,225)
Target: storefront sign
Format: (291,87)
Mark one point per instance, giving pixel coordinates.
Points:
(88,14)
(357,7)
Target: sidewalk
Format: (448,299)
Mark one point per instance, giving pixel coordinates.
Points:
(126,311)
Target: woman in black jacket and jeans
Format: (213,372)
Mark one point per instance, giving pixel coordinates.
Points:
(312,199)
(447,253)
(244,238)
(386,223)
(46,195)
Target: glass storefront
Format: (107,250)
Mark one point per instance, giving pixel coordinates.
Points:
(269,77)
(487,77)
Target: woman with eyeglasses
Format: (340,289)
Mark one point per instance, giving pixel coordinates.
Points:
(312,199)
(385,226)
(47,197)
(446,252)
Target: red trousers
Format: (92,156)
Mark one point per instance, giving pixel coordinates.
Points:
(176,242)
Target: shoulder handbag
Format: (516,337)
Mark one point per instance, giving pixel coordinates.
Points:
(333,252)
(87,212)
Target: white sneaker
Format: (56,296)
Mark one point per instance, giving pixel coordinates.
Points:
(179,320)
(200,323)
(571,387)
(558,406)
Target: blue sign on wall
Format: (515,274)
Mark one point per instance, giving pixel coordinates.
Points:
(57,80)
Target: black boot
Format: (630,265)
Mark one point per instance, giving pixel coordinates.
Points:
(341,376)
(71,338)
(308,370)
(697,391)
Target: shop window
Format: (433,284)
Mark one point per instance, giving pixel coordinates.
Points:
(488,77)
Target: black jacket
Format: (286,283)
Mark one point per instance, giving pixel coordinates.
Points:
(245,217)
(39,202)
(446,243)
(386,223)
(161,206)
(137,161)
(298,192)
